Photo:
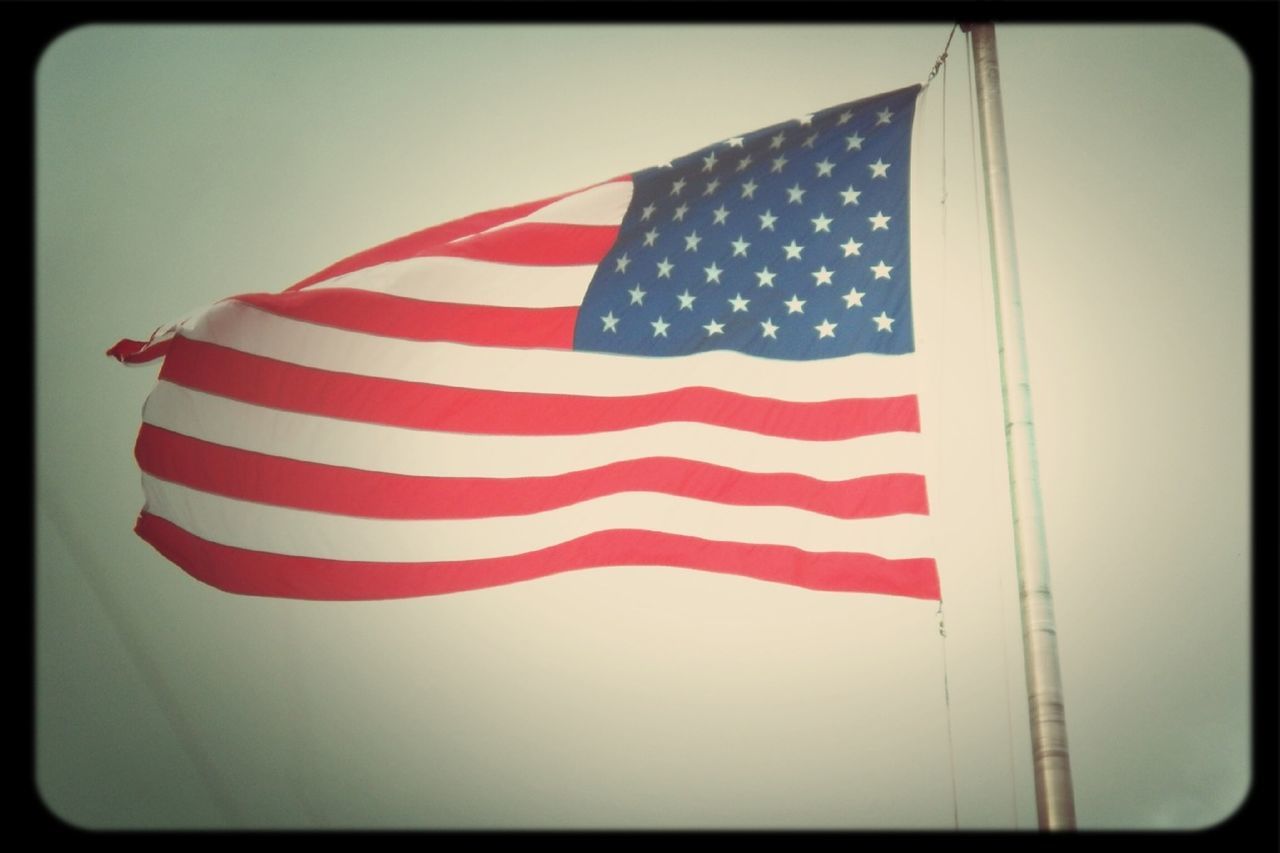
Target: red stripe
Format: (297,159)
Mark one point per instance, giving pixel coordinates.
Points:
(267,382)
(416,320)
(423,242)
(138,352)
(261,478)
(254,573)
(536,244)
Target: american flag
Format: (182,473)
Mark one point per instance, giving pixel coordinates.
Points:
(707,364)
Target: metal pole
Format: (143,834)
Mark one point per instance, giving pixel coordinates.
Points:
(1055,800)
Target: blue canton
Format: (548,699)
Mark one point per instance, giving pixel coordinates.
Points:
(789,242)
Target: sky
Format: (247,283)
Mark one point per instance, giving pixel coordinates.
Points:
(177,165)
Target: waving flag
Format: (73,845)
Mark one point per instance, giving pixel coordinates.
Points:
(707,364)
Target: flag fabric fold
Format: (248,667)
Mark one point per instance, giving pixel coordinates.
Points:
(708,364)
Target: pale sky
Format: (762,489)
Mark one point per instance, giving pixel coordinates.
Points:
(179,165)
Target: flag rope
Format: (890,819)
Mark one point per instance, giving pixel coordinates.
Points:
(989,334)
(941,61)
(946,695)
(942,630)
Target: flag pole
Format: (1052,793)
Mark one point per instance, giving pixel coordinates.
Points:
(1055,800)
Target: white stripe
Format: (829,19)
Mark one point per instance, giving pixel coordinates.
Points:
(468,282)
(245,328)
(277,530)
(605,204)
(396,450)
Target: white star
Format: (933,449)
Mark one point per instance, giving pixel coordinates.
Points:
(713,273)
(805,119)
(883,117)
(691,242)
(659,328)
(775,142)
(677,187)
(824,167)
(678,215)
(637,295)
(822,223)
(851,247)
(740,247)
(766,277)
(666,165)
(766,220)
(721,213)
(850,195)
(808,143)
(770,330)
(853,298)
(749,189)
(879,169)
(735,142)
(709,162)
(881,270)
(738,303)
(744,163)
(883,323)
(778,163)
(686,299)
(712,187)
(879,222)
(795,194)
(650,236)
(822,276)
(664,268)
(853,143)
(610,323)
(826,329)
(714,328)
(648,211)
(793,251)
(844,117)
(622,264)
(795,305)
